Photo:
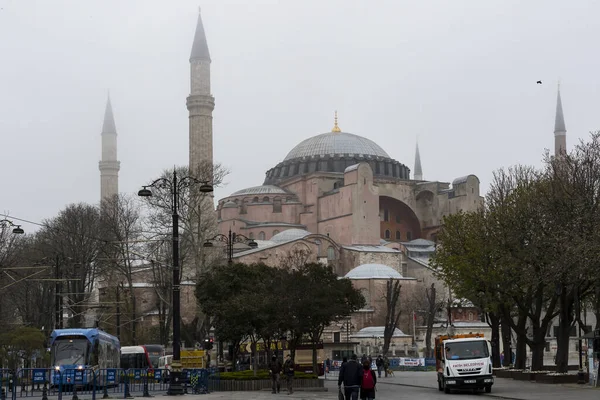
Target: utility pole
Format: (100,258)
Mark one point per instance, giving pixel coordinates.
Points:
(118,313)
(57,297)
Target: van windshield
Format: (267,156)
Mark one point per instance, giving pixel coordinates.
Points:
(467,350)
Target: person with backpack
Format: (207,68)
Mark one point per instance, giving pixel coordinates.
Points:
(368,382)
(275,370)
(351,375)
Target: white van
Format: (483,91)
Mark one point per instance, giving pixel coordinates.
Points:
(464,364)
(164,363)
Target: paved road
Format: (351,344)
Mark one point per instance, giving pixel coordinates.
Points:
(409,385)
(503,388)
(384,392)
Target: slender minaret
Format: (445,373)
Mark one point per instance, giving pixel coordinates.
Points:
(418,175)
(560,131)
(200,104)
(109,166)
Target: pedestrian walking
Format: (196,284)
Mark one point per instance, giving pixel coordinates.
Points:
(288,370)
(275,370)
(379,364)
(351,374)
(368,382)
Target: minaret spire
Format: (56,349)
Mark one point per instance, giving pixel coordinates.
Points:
(200,104)
(200,46)
(418,175)
(109,165)
(560,130)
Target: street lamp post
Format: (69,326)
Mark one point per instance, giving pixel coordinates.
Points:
(229,241)
(174,186)
(16,228)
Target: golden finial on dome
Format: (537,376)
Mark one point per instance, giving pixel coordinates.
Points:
(335,128)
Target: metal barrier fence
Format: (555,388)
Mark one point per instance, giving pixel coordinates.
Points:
(111,382)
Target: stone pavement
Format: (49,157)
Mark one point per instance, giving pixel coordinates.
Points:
(503,388)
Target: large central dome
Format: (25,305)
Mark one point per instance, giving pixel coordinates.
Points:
(333,152)
(336,143)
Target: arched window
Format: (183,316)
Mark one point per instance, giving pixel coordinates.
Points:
(251,235)
(387,234)
(398,235)
(261,235)
(409,236)
(255,200)
(470,316)
(386,215)
(266,199)
(275,232)
(330,253)
(365,293)
(277,205)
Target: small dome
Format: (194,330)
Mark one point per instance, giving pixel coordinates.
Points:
(229,204)
(376,331)
(264,189)
(331,143)
(373,271)
(289,235)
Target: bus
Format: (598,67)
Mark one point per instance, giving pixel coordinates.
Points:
(135,357)
(154,352)
(85,350)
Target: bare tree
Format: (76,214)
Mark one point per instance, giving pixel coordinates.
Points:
(73,233)
(392,312)
(122,230)
(197,223)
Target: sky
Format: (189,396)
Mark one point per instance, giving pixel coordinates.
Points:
(458,76)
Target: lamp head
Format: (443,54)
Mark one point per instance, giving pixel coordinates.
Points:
(18,230)
(208,243)
(252,244)
(206,188)
(145,192)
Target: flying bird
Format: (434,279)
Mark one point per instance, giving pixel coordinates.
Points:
(539,82)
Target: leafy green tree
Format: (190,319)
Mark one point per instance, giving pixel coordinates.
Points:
(22,343)
(320,299)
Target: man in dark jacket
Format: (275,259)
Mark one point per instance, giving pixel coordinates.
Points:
(275,371)
(288,370)
(379,364)
(351,375)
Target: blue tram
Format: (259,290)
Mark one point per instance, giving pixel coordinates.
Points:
(81,356)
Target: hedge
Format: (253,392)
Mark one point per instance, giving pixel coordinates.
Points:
(248,375)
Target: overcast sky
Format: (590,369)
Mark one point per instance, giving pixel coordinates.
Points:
(459,75)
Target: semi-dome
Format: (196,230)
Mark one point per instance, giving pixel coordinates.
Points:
(336,143)
(289,235)
(263,189)
(373,271)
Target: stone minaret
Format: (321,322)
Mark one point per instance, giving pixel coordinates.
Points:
(560,131)
(200,104)
(418,175)
(109,166)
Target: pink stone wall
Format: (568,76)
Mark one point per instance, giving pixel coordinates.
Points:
(365,207)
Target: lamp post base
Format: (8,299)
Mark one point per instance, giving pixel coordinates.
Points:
(175,384)
(580,377)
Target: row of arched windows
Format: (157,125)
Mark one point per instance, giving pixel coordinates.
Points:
(388,235)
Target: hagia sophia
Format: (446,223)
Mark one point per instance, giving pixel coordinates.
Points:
(340,198)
